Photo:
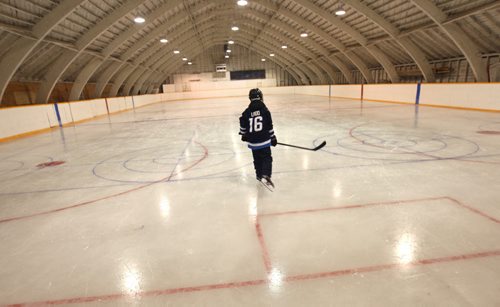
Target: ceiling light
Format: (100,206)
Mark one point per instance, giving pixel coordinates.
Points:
(272,54)
(139,19)
(189,63)
(340,12)
(242,2)
(303,34)
(163,40)
(184,59)
(284,47)
(177,51)
(228,50)
(263,60)
(235,28)
(230,42)
(226,56)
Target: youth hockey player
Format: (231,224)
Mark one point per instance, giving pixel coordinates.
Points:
(256,128)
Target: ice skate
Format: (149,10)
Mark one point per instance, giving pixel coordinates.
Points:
(268,180)
(265,184)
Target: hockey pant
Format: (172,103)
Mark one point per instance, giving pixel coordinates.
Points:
(263,162)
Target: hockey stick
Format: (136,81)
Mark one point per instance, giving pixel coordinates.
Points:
(313,149)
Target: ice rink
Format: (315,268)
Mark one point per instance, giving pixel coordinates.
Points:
(160,207)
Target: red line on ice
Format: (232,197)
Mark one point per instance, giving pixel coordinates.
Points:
(232,285)
(398,202)
(265,253)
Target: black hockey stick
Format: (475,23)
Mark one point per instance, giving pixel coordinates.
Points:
(313,149)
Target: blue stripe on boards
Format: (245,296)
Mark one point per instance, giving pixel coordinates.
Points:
(57,114)
(419,86)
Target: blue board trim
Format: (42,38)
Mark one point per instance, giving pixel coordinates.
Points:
(417,99)
(56,107)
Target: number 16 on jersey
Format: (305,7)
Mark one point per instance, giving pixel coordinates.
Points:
(255,124)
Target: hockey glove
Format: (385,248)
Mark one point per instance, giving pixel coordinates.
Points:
(274,141)
(244,137)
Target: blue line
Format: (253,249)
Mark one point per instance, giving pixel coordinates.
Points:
(214,176)
(417,99)
(58,115)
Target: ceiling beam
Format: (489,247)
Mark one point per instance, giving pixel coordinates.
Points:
(13,59)
(63,63)
(410,48)
(468,48)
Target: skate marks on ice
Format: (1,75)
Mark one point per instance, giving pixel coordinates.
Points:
(399,145)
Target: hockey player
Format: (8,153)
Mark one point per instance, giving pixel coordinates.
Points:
(256,128)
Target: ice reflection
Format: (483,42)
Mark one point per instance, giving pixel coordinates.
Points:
(131,280)
(238,157)
(236,142)
(164,207)
(337,189)
(275,279)
(252,209)
(178,172)
(305,162)
(405,248)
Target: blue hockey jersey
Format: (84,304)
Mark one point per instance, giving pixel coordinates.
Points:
(257,125)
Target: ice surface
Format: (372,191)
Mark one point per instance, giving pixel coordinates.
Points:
(159,206)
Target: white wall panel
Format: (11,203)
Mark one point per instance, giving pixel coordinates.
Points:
(82,110)
(390,92)
(207,85)
(282,90)
(168,88)
(476,96)
(317,90)
(346,91)
(65,113)
(99,107)
(144,100)
(19,120)
(116,104)
(129,102)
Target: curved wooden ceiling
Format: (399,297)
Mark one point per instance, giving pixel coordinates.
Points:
(98,41)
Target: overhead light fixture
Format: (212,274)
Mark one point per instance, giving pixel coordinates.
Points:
(284,47)
(304,34)
(189,63)
(184,59)
(235,28)
(230,42)
(177,51)
(272,54)
(139,19)
(263,60)
(340,12)
(226,56)
(163,40)
(228,50)
(242,2)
